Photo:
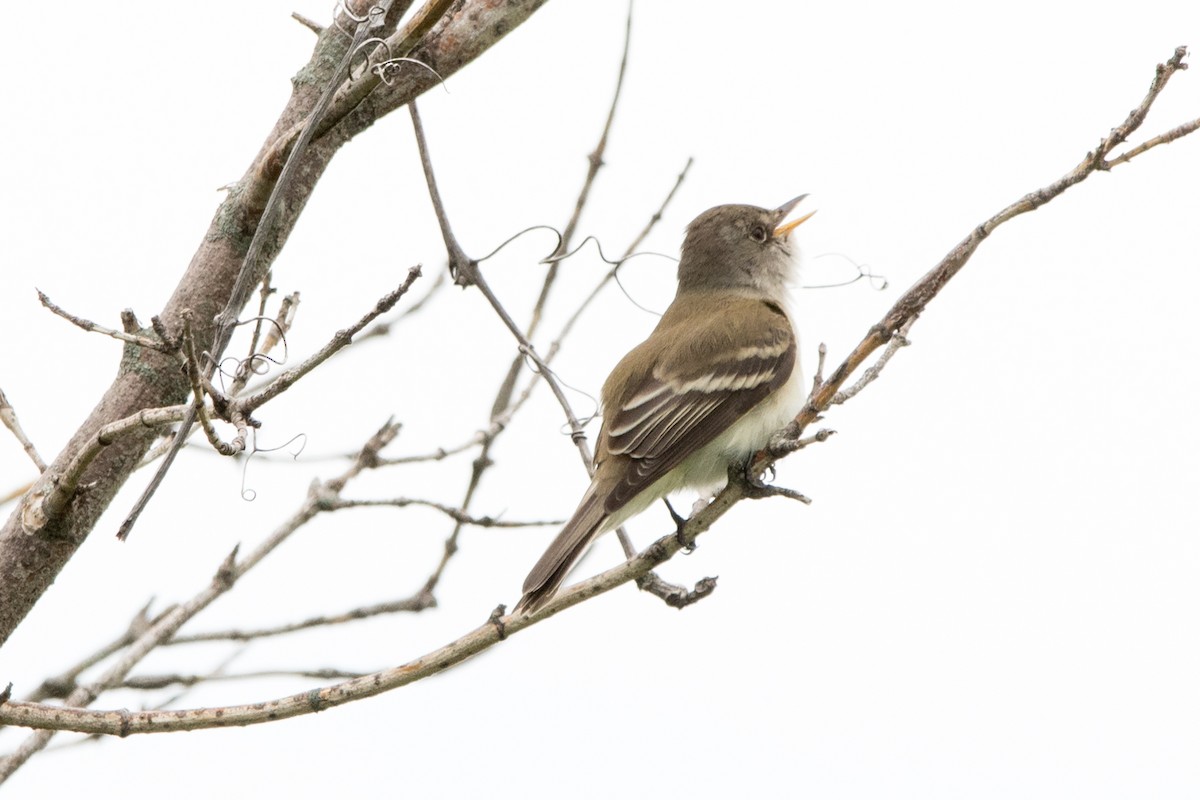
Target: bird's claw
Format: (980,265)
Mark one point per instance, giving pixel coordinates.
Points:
(756,488)
(688,545)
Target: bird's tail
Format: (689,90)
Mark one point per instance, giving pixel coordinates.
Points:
(567,548)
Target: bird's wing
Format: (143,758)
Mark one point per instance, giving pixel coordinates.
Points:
(684,401)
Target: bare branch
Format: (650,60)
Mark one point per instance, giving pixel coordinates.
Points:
(265,290)
(442,452)
(8,415)
(151,682)
(276,333)
(385,328)
(819,375)
(92,327)
(43,508)
(417,603)
(785,442)
(872,372)
(1164,138)
(463,269)
(256,360)
(455,514)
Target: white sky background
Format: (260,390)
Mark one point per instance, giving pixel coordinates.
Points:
(995,591)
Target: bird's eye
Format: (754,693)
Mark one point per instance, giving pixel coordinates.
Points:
(758,233)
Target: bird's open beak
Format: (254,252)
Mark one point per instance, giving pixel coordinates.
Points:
(783,230)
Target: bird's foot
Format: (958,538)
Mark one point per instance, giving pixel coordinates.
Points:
(756,488)
(688,545)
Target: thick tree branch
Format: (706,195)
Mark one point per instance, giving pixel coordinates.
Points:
(147,379)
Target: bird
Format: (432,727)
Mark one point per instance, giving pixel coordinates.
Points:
(717,376)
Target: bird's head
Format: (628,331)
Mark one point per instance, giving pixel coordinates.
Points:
(740,247)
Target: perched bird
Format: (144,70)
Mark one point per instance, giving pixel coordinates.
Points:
(718,375)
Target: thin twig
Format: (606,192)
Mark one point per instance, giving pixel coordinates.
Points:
(819,375)
(784,443)
(455,514)
(265,290)
(152,682)
(282,382)
(463,268)
(195,375)
(384,328)
(92,327)
(439,454)
(1164,138)
(256,360)
(285,317)
(872,372)
(415,604)
(8,415)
